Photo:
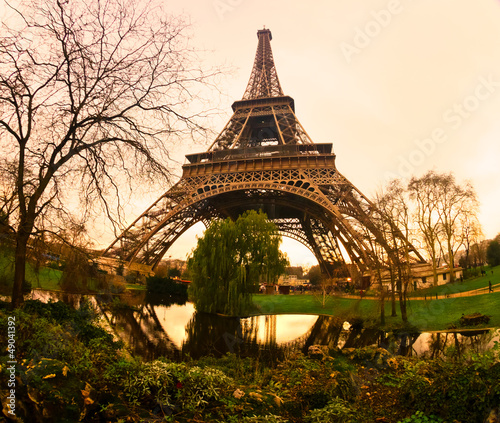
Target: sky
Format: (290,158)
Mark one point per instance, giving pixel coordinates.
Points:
(400,87)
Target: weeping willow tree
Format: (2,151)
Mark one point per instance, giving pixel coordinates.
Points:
(231,259)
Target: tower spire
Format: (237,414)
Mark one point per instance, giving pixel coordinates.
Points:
(264,80)
(264,116)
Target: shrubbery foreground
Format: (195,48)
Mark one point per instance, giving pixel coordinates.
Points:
(69,369)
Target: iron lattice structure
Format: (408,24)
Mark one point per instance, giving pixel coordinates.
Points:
(264,159)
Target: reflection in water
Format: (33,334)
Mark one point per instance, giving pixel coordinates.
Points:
(162,327)
(174,321)
(399,342)
(217,335)
(73,300)
(455,344)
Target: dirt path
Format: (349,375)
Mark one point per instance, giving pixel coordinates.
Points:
(472,293)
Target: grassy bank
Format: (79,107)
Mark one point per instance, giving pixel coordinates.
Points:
(425,315)
(44,277)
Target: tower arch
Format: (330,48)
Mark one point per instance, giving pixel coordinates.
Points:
(264,159)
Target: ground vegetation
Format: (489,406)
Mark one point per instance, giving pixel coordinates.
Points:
(70,369)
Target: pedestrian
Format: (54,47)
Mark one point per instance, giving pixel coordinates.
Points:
(490,289)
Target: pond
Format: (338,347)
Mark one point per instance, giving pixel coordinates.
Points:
(155,327)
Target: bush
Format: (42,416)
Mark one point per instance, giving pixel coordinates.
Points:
(82,321)
(55,330)
(159,285)
(461,391)
(270,418)
(200,385)
(337,410)
(115,284)
(60,352)
(47,390)
(370,356)
(471,273)
(420,417)
(149,382)
(191,388)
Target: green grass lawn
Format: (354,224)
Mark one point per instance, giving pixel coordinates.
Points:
(309,304)
(468,285)
(46,278)
(135,286)
(438,314)
(425,315)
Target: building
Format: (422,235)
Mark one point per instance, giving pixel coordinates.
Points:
(423,277)
(291,280)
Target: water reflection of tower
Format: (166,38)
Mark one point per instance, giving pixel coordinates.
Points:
(138,326)
(270,328)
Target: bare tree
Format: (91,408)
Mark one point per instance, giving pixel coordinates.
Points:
(73,248)
(393,203)
(379,268)
(446,214)
(472,232)
(424,191)
(478,253)
(91,94)
(459,207)
(324,287)
(8,198)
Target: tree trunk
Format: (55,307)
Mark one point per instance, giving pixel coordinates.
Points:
(402,296)
(382,308)
(467,254)
(402,307)
(451,265)
(393,294)
(434,266)
(434,273)
(20,266)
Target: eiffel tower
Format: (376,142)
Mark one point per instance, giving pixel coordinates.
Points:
(263,159)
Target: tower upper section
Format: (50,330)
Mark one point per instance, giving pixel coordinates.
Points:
(264,80)
(264,117)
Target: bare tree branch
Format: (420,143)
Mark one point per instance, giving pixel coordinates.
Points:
(92,93)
